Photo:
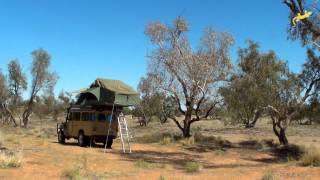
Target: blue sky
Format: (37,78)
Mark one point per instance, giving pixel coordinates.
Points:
(101,38)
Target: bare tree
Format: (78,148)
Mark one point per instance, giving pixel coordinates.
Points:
(43,79)
(189,76)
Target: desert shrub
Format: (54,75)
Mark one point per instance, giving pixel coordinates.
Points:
(10,159)
(140,163)
(73,173)
(268,176)
(311,157)
(217,141)
(193,167)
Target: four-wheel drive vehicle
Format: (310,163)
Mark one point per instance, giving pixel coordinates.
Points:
(89,118)
(87,124)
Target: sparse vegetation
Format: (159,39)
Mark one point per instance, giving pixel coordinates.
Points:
(268,176)
(166,141)
(193,167)
(311,157)
(140,163)
(188,141)
(73,173)
(10,159)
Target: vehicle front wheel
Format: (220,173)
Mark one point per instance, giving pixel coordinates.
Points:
(61,137)
(81,140)
(110,142)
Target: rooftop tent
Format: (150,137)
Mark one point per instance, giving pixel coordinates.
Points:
(108,92)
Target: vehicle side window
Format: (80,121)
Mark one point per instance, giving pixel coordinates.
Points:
(101,117)
(84,116)
(75,116)
(113,119)
(92,116)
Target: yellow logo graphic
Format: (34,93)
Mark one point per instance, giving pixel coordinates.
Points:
(300,17)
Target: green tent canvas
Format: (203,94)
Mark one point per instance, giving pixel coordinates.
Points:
(109,92)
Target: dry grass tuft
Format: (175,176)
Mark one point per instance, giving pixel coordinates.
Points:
(73,173)
(188,141)
(268,176)
(10,159)
(311,157)
(166,141)
(140,163)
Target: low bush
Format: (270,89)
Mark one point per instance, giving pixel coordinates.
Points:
(217,141)
(193,167)
(73,173)
(311,157)
(141,163)
(10,159)
(268,176)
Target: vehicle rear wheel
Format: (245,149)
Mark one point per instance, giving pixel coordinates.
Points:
(82,140)
(61,137)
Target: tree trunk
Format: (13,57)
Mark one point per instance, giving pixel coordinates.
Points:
(25,117)
(186,131)
(186,123)
(282,137)
(281,133)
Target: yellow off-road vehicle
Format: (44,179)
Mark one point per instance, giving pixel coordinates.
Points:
(93,118)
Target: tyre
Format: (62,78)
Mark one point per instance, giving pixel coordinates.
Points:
(61,137)
(82,140)
(109,143)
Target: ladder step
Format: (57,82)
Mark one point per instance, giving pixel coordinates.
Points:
(124,134)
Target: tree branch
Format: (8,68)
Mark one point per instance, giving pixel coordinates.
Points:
(177,123)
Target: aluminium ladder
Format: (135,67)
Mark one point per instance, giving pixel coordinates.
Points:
(124,134)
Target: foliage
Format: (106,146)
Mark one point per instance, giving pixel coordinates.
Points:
(188,76)
(3,88)
(17,81)
(247,90)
